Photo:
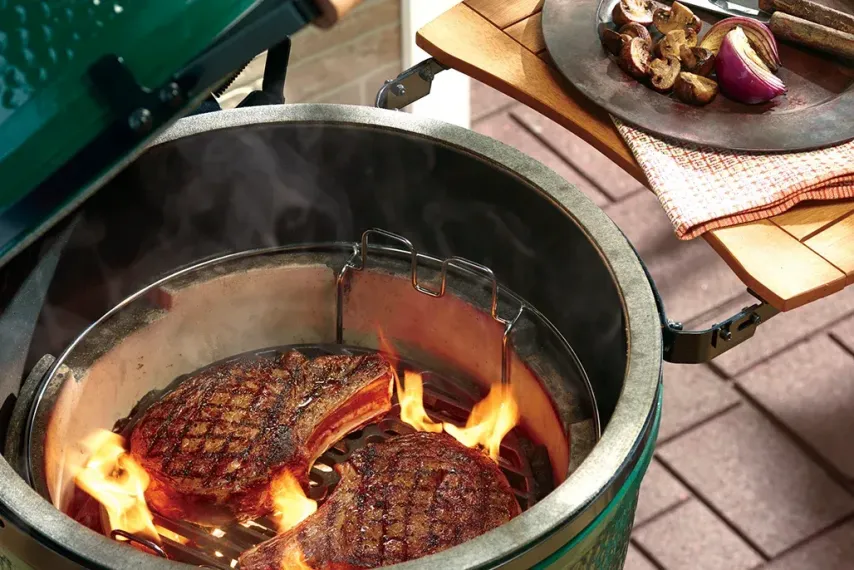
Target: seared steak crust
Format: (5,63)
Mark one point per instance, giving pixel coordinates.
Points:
(402,499)
(213,446)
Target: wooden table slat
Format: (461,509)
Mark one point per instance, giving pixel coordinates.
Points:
(529,33)
(835,244)
(803,222)
(493,42)
(466,41)
(503,13)
(778,267)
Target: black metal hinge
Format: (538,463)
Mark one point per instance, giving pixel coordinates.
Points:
(694,347)
(410,86)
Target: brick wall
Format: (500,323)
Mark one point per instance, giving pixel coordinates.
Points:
(345,64)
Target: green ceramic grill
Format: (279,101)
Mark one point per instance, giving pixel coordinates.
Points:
(137,246)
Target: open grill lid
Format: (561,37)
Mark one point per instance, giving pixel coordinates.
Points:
(85,84)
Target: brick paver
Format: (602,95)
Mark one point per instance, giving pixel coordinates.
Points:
(660,491)
(691,537)
(844,333)
(486,101)
(637,561)
(693,394)
(755,465)
(690,276)
(758,479)
(832,551)
(810,388)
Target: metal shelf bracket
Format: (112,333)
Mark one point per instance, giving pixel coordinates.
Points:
(694,347)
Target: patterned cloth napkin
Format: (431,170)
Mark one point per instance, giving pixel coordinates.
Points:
(702,188)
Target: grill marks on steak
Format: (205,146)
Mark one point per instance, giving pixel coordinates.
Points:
(402,499)
(213,446)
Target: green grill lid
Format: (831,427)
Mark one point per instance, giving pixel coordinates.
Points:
(85,84)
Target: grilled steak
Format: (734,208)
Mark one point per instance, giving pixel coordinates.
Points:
(408,497)
(213,446)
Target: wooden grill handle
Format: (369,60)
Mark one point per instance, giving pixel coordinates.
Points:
(812,11)
(812,35)
(333,10)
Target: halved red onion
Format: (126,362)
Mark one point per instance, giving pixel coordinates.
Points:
(761,39)
(740,73)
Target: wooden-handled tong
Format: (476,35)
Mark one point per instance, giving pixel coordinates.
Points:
(811,24)
(333,10)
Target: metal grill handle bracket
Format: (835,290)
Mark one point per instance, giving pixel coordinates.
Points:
(694,347)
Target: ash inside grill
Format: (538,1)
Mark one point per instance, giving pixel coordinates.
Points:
(525,464)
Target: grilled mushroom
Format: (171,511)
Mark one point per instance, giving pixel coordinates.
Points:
(628,11)
(671,44)
(634,58)
(695,89)
(614,41)
(697,60)
(677,17)
(696,25)
(663,73)
(635,30)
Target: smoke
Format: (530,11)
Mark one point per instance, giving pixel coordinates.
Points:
(486,219)
(184,202)
(293,183)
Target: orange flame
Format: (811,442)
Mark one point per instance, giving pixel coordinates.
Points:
(290,505)
(410,395)
(388,350)
(411,398)
(115,480)
(173,536)
(490,420)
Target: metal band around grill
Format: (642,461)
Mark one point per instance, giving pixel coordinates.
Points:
(358,261)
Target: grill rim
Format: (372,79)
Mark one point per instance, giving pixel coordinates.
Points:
(551,523)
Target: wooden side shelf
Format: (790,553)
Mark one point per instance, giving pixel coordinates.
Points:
(789,260)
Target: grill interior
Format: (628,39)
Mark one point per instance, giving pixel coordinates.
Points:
(318,300)
(525,464)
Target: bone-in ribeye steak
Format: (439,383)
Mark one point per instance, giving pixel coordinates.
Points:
(213,446)
(402,499)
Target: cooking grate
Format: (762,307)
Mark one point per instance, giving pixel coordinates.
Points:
(526,466)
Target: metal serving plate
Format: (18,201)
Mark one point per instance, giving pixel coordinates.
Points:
(817,111)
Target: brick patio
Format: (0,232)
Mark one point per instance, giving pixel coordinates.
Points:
(755,460)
